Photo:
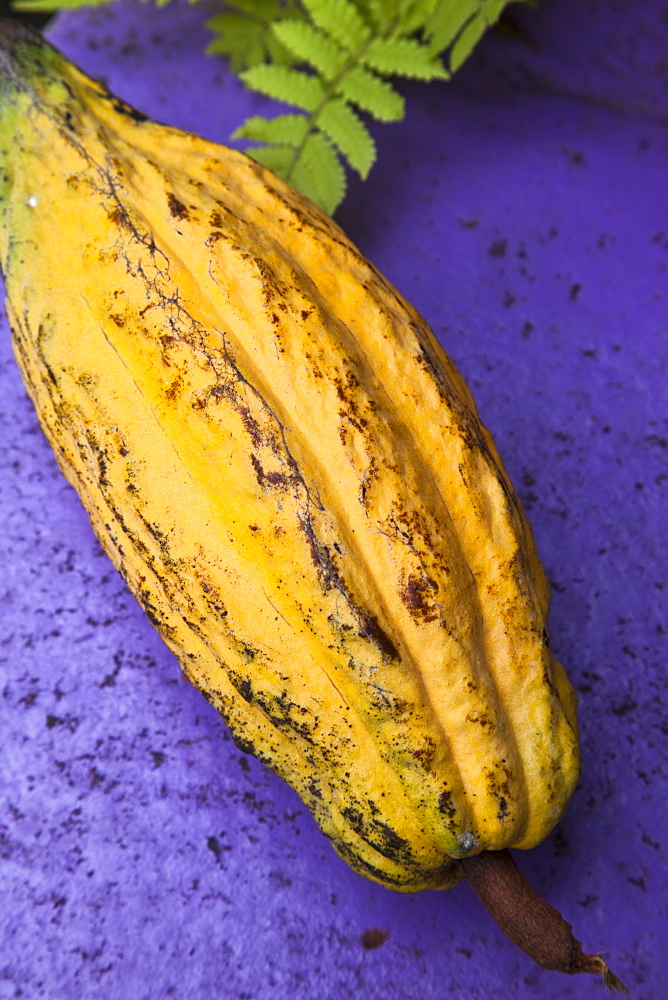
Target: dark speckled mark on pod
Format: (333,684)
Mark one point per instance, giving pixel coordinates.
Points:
(468,428)
(365,867)
(425,753)
(145,599)
(396,847)
(447,807)
(176,207)
(278,480)
(380,638)
(380,836)
(280,711)
(158,534)
(125,109)
(368,625)
(504,811)
(242,744)
(314,790)
(101,457)
(480,718)
(242,685)
(430,363)
(416,594)
(499,784)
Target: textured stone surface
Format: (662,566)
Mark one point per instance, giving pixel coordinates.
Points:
(522,209)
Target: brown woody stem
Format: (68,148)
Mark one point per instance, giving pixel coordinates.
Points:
(528,920)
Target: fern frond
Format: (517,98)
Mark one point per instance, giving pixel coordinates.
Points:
(467,41)
(341,20)
(49,5)
(414,15)
(318,173)
(287,130)
(244,34)
(366,90)
(292,86)
(493,9)
(313,168)
(275,158)
(346,130)
(403,57)
(309,45)
(238,38)
(261,10)
(378,13)
(447,21)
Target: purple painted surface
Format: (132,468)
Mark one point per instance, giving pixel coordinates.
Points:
(522,209)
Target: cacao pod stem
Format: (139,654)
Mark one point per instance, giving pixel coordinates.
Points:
(527,919)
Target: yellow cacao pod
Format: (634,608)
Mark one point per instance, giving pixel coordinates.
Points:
(289,473)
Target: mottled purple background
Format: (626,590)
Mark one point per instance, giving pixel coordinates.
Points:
(522,208)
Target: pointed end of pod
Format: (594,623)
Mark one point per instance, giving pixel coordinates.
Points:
(24,56)
(528,920)
(17,41)
(13,31)
(29,66)
(22,53)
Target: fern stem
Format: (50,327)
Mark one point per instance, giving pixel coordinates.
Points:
(330,91)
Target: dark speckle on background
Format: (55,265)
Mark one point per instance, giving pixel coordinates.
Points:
(522,209)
